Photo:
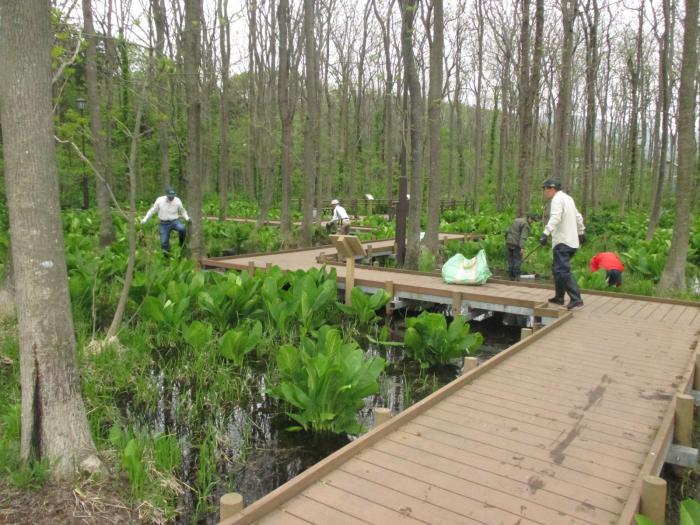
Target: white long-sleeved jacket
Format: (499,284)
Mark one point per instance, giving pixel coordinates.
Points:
(167,210)
(565,222)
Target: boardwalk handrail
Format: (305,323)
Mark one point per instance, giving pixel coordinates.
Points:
(659,447)
(604,293)
(310,476)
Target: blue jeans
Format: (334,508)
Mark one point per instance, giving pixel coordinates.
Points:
(165,228)
(514,261)
(564,281)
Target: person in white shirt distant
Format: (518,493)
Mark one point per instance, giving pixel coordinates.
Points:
(169,208)
(566,228)
(340,217)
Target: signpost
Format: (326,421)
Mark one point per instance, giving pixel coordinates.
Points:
(350,247)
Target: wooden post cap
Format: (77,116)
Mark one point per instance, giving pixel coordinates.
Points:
(470,363)
(381,415)
(230,504)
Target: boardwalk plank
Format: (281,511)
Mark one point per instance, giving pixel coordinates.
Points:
(487,496)
(405,498)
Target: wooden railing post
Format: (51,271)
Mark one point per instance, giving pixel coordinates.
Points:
(229,505)
(653,503)
(381,415)
(470,363)
(389,287)
(349,279)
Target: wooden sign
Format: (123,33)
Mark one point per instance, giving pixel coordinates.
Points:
(348,246)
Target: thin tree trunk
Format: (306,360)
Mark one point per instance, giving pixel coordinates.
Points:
(408,13)
(311,121)
(437,51)
(663,103)
(563,116)
(106,234)
(192,62)
(225,50)
(286,119)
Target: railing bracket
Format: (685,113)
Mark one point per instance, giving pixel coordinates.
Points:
(682,456)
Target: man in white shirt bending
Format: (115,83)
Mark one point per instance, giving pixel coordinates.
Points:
(566,228)
(341,217)
(169,209)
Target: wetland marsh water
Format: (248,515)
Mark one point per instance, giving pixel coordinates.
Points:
(248,450)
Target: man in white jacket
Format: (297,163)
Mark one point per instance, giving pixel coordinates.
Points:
(566,228)
(169,208)
(340,218)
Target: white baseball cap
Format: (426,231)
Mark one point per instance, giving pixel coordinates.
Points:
(335,201)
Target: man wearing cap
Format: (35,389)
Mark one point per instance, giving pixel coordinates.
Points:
(169,208)
(566,228)
(516,236)
(341,217)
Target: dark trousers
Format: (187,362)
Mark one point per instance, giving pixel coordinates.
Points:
(514,261)
(614,277)
(564,280)
(165,228)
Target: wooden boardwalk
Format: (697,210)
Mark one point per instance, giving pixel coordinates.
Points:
(558,429)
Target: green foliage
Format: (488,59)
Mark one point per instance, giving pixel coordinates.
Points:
(299,302)
(426,260)
(325,381)
(236,344)
(689,514)
(364,307)
(431,342)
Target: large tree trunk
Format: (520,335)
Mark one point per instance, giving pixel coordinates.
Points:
(673,277)
(437,51)
(192,61)
(54,424)
(104,210)
(408,13)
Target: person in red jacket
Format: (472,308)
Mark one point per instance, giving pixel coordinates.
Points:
(612,265)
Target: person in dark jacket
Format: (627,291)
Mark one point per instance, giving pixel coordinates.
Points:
(612,265)
(516,236)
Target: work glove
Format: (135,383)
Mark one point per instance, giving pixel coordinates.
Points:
(543,239)
(582,238)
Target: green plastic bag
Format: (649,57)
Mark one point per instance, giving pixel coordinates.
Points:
(460,270)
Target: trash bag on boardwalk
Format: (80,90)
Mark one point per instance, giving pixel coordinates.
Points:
(460,270)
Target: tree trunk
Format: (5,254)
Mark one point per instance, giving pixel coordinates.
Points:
(673,277)
(408,13)
(591,29)
(524,111)
(54,423)
(478,113)
(192,62)
(225,50)
(106,235)
(286,120)
(160,21)
(563,116)
(663,103)
(311,121)
(437,51)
